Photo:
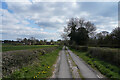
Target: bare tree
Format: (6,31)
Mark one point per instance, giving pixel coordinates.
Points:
(90,27)
(81,22)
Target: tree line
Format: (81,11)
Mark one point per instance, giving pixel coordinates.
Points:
(81,32)
(32,41)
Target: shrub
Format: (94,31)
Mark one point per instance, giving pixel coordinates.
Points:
(106,54)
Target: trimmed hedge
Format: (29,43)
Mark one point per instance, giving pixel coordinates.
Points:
(106,54)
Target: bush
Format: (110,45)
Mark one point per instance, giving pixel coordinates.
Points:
(106,54)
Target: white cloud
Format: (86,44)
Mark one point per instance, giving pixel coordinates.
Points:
(24,31)
(15,26)
(51,18)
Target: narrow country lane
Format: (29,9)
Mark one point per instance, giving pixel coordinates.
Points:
(85,71)
(64,69)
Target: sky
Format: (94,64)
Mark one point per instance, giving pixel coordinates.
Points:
(46,20)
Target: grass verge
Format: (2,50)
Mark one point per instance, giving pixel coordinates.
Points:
(42,68)
(107,69)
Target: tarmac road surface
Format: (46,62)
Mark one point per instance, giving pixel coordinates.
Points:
(64,70)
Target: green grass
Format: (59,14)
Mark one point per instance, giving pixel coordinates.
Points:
(7,47)
(107,69)
(39,69)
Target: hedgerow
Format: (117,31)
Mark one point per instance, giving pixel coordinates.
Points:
(17,59)
(106,54)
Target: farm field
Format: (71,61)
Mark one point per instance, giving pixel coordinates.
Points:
(7,47)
